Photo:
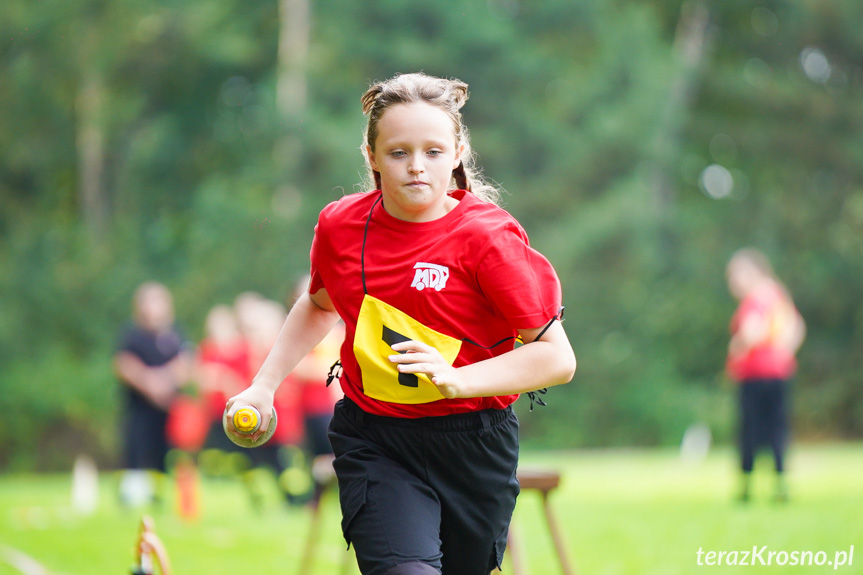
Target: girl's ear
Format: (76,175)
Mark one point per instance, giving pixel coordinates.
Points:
(458,153)
(371,155)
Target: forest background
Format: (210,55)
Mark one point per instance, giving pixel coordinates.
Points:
(640,143)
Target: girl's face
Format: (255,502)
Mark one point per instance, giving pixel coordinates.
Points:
(415,153)
(742,276)
(154,308)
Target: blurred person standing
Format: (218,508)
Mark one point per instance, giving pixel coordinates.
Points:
(318,393)
(766,332)
(223,366)
(152,364)
(260,320)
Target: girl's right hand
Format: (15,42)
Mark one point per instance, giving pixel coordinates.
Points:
(257,396)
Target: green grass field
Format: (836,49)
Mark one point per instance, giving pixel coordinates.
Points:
(622,512)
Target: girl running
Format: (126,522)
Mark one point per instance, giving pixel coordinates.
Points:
(435,283)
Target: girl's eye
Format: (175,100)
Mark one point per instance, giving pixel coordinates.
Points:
(434,152)
(397,154)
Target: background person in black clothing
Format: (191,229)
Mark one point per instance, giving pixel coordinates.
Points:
(152,364)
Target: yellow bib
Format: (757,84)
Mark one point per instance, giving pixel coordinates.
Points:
(381,325)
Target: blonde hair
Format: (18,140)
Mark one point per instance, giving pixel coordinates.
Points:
(449,96)
(756,259)
(759,262)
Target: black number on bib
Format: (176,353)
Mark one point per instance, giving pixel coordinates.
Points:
(391,338)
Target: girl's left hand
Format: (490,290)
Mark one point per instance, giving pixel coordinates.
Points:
(418,357)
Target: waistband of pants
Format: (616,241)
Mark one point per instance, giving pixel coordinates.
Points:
(481,420)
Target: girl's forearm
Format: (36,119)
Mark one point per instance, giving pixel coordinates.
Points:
(547,362)
(305,326)
(131,371)
(527,368)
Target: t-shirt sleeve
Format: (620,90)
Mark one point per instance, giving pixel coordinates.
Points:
(318,252)
(519,281)
(126,340)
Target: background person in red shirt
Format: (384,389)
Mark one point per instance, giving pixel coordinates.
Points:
(317,394)
(766,332)
(260,320)
(223,364)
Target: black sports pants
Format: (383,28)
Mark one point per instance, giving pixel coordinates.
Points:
(764,420)
(434,490)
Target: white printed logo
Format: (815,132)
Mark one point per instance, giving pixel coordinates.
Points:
(430,276)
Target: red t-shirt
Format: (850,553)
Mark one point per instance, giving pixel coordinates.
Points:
(468,279)
(234,360)
(767,360)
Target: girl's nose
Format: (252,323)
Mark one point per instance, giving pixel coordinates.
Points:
(416,165)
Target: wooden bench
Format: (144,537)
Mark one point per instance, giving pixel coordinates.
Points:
(543,481)
(530,479)
(325,480)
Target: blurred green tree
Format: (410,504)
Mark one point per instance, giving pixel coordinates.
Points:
(641,144)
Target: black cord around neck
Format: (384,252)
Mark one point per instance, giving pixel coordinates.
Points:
(363,249)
